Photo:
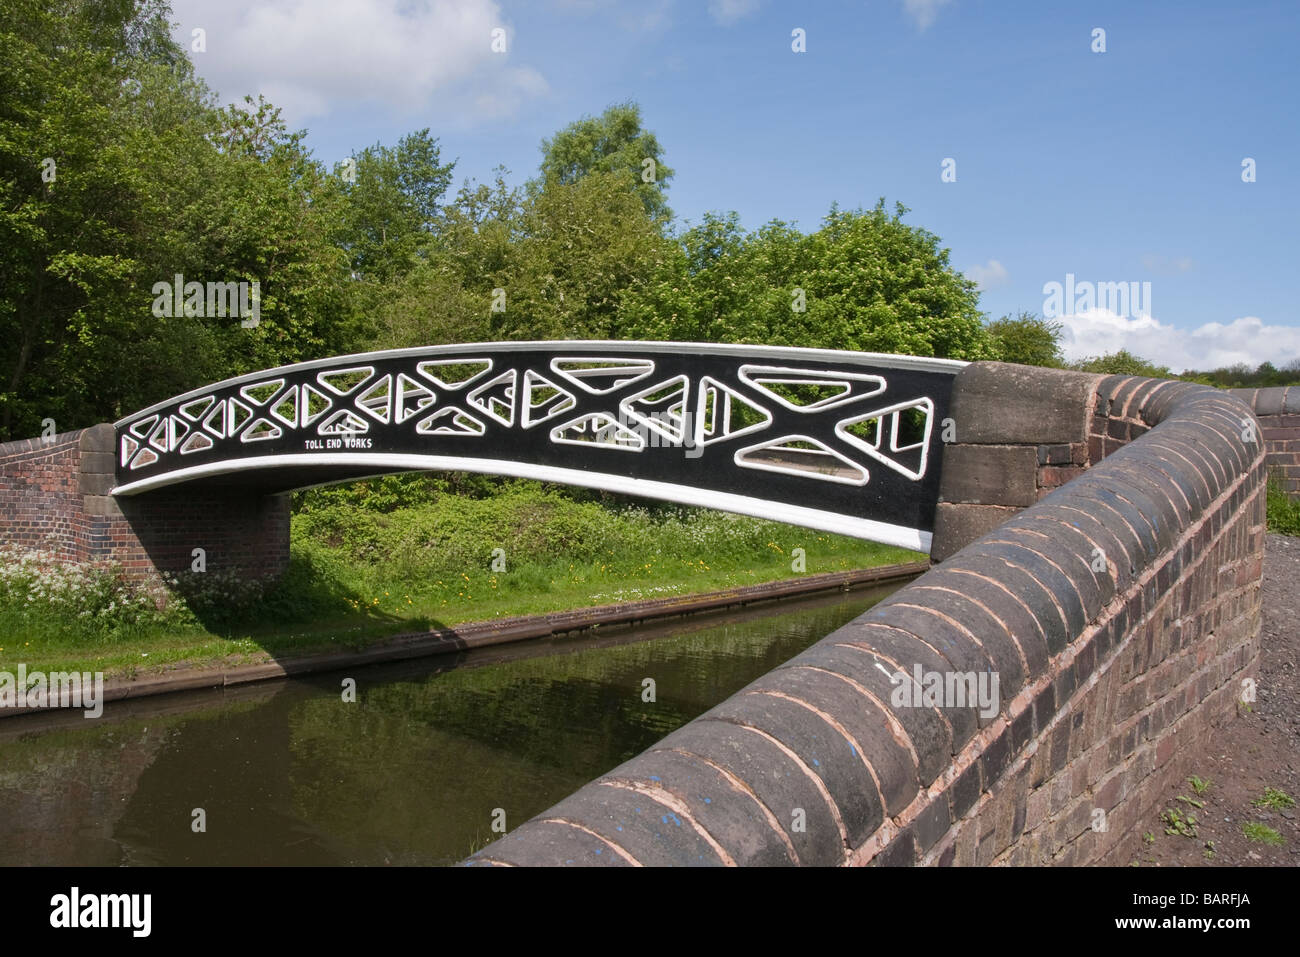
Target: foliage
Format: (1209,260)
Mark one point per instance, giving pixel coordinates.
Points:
(533,524)
(392,204)
(41,595)
(361,574)
(864,281)
(1274,799)
(44,598)
(155,180)
(613,143)
(1122,362)
(1177,824)
(147,179)
(1028,339)
(1261,833)
(1283,511)
(1242,376)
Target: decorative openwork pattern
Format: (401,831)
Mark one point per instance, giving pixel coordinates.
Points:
(846,434)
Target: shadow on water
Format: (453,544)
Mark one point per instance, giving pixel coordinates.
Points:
(412,772)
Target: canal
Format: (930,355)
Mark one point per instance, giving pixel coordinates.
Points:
(413,772)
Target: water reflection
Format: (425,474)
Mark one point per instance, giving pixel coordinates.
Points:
(411,773)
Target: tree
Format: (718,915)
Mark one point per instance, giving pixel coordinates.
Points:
(613,142)
(117,172)
(96,135)
(1028,339)
(864,281)
(1122,362)
(392,199)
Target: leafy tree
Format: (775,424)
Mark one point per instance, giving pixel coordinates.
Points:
(585,245)
(447,295)
(562,258)
(391,207)
(146,179)
(1242,376)
(864,281)
(81,178)
(271,214)
(1122,362)
(613,142)
(1028,339)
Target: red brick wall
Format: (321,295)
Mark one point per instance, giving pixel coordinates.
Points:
(1278,411)
(40,496)
(55,495)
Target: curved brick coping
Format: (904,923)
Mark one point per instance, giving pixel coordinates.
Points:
(1276,400)
(1102,676)
(1278,410)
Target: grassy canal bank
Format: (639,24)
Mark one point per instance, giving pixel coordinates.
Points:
(404,554)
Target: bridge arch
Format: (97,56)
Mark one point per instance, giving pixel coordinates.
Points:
(837,441)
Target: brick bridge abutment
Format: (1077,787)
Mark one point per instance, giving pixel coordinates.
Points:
(55,497)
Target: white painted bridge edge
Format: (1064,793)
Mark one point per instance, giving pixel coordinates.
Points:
(883,532)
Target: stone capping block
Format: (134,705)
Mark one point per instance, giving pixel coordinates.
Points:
(989,475)
(99,438)
(957,524)
(789,739)
(96,483)
(999,403)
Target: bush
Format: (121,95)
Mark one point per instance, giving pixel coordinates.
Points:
(41,595)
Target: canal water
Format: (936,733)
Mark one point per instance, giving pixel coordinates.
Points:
(415,771)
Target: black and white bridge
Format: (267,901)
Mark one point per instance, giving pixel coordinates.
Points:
(844,442)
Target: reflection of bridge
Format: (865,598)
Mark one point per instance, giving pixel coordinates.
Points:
(838,441)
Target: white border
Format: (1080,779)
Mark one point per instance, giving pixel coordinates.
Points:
(883,532)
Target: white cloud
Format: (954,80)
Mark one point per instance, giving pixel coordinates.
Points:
(992,273)
(312,56)
(1210,346)
(644,16)
(727,12)
(923,12)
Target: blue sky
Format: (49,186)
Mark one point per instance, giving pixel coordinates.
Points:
(1123,166)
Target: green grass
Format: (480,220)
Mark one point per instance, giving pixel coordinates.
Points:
(365,567)
(1274,800)
(1261,833)
(1283,510)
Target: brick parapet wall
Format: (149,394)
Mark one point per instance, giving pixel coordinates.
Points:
(1120,613)
(1278,412)
(40,494)
(55,495)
